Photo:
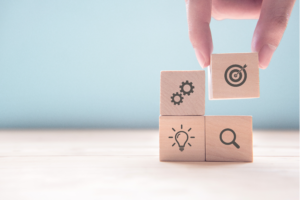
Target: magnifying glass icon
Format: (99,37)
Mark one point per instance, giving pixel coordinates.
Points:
(233,140)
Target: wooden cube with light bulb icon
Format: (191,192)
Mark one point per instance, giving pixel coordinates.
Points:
(182,138)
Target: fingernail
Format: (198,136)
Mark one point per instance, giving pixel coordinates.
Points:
(200,58)
(265,54)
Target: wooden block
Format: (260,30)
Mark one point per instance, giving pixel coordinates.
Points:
(233,76)
(229,138)
(182,93)
(181,138)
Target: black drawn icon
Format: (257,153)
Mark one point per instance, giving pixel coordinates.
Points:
(233,140)
(183,87)
(186,88)
(177,98)
(181,138)
(235,75)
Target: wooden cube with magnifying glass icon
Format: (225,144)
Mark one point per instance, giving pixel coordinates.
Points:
(182,138)
(229,138)
(233,76)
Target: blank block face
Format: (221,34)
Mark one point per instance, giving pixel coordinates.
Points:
(181,138)
(229,138)
(182,93)
(233,76)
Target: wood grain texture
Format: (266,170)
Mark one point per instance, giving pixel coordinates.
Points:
(188,131)
(236,149)
(124,164)
(192,103)
(219,88)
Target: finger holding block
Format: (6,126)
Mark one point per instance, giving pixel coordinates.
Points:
(182,92)
(233,76)
(229,138)
(181,138)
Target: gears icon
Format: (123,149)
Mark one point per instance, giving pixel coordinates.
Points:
(178,100)
(177,95)
(191,90)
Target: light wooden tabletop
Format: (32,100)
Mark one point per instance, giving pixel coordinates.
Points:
(124,164)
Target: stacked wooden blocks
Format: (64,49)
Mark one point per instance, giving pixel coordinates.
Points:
(185,134)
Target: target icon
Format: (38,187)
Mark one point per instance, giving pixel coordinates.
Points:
(235,75)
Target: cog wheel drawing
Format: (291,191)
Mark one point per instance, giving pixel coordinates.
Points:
(187,92)
(180,98)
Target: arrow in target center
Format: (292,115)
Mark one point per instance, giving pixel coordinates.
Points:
(235,75)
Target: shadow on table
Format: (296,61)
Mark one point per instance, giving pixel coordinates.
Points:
(207,164)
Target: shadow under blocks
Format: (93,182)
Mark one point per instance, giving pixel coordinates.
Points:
(185,133)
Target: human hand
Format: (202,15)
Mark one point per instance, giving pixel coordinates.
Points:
(272,15)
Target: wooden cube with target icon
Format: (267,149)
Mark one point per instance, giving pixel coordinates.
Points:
(233,76)
(182,92)
(182,138)
(229,138)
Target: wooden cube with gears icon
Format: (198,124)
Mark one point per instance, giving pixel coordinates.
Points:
(233,76)
(182,93)
(229,138)
(182,138)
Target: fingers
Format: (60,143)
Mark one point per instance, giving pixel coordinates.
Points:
(236,9)
(199,16)
(270,28)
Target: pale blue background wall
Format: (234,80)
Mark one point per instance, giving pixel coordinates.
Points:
(96,64)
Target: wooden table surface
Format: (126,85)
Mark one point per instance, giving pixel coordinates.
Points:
(124,164)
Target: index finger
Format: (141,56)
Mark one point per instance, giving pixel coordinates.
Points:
(199,16)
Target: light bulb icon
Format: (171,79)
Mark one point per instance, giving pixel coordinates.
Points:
(181,137)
